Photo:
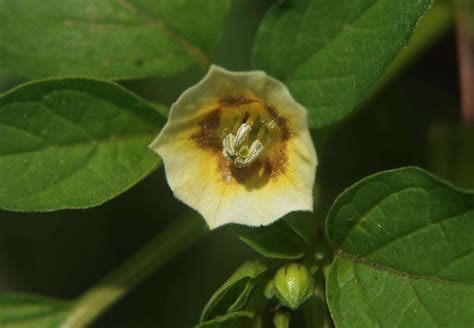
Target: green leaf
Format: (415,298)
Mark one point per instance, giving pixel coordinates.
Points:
(331,53)
(404,253)
(232,320)
(31,311)
(72,143)
(234,293)
(278,240)
(116,39)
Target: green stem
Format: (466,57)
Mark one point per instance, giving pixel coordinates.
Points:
(281,319)
(168,243)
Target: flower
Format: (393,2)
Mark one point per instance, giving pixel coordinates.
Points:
(237,149)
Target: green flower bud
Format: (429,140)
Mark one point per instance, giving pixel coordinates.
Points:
(293,285)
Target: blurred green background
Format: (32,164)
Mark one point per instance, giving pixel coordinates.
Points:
(413,120)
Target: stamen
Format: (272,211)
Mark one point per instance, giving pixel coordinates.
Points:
(256,149)
(229,146)
(242,155)
(242,133)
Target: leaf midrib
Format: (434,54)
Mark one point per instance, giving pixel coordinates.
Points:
(193,51)
(331,40)
(361,260)
(90,142)
(33,317)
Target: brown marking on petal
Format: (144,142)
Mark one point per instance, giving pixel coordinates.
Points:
(254,176)
(259,173)
(278,160)
(280,121)
(272,162)
(236,100)
(206,137)
(245,117)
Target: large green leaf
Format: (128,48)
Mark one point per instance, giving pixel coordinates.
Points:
(331,53)
(234,293)
(116,39)
(72,143)
(31,311)
(404,253)
(279,240)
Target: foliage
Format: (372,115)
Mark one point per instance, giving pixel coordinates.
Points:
(17,310)
(279,240)
(331,53)
(393,250)
(404,248)
(109,39)
(73,143)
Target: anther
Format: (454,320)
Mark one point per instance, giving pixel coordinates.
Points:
(233,148)
(242,133)
(229,146)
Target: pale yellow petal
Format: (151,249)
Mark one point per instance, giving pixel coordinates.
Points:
(201,177)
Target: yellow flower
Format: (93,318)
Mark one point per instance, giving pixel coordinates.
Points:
(237,148)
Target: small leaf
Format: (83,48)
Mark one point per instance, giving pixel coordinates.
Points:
(331,53)
(72,143)
(234,293)
(404,253)
(278,240)
(232,320)
(116,39)
(31,311)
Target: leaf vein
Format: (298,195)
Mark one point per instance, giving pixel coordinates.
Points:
(422,303)
(368,211)
(360,260)
(333,39)
(195,52)
(418,229)
(364,295)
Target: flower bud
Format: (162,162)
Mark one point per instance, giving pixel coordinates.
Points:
(293,285)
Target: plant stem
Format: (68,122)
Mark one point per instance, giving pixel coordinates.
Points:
(466,62)
(168,243)
(281,319)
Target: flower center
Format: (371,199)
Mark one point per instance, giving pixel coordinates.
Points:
(236,147)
